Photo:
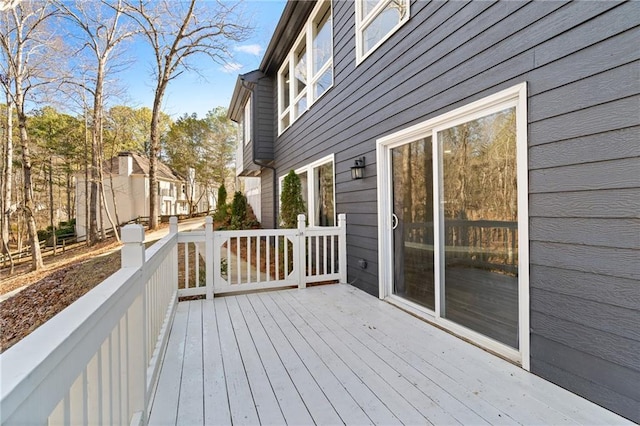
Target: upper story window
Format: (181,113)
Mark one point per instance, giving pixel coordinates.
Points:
(246,122)
(307,72)
(376,21)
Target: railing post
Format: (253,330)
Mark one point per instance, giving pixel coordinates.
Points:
(342,247)
(132,252)
(133,256)
(301,252)
(209,256)
(173,225)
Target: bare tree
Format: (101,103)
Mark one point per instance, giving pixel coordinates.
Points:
(26,43)
(178,32)
(103,30)
(7,168)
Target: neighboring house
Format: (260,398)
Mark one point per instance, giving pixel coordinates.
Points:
(501,189)
(129,175)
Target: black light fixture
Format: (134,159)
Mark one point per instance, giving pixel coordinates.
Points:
(357,170)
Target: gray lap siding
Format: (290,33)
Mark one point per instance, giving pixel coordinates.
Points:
(581,63)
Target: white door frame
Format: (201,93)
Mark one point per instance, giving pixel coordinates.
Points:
(515,96)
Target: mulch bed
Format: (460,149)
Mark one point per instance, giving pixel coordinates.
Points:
(52,292)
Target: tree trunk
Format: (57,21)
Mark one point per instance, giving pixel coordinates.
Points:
(28,207)
(51,209)
(68,190)
(154,148)
(7,181)
(87,210)
(115,203)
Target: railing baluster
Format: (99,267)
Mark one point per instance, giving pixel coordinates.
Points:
(268,248)
(196,262)
(334,251)
(229,260)
(248,260)
(238,259)
(258,260)
(317,255)
(277,238)
(324,254)
(309,255)
(186,265)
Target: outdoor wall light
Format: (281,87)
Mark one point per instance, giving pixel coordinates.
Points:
(357,170)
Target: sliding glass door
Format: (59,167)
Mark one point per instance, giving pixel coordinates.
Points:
(479,236)
(412,171)
(452,197)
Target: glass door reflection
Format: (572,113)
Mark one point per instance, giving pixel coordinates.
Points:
(479,208)
(412,172)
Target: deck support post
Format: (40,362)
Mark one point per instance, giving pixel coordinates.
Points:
(342,247)
(208,255)
(173,225)
(300,252)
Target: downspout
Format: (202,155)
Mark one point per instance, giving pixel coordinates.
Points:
(260,163)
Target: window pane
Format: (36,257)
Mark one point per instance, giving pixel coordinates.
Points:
(367,6)
(300,70)
(323,83)
(301,106)
(305,191)
(322,39)
(479,202)
(412,171)
(325,212)
(284,90)
(247,121)
(382,24)
(285,121)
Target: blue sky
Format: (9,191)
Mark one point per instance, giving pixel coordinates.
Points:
(190,92)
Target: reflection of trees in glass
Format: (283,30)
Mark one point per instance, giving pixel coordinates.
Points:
(322,39)
(392,14)
(413,189)
(479,159)
(301,70)
(324,205)
(480,184)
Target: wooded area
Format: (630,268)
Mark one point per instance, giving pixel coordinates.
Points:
(64,112)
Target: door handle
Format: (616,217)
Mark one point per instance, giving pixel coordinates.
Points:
(394,221)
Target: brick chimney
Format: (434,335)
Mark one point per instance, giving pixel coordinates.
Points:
(125,163)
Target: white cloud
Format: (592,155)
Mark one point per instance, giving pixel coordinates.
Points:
(232,67)
(252,49)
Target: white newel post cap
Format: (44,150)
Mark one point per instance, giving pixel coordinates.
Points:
(133,251)
(173,225)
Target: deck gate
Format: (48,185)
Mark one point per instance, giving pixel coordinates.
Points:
(217,262)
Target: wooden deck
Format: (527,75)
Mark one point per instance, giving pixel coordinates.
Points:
(335,355)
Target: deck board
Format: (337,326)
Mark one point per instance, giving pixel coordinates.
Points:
(302,373)
(335,355)
(190,407)
(216,401)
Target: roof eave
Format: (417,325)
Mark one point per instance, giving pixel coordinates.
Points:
(294,15)
(241,92)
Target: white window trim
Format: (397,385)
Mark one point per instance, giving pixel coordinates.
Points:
(361,24)
(515,96)
(307,35)
(311,190)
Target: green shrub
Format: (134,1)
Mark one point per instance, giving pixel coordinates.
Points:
(291,201)
(238,211)
(222,197)
(222,215)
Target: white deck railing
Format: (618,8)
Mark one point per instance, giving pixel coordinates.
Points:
(98,360)
(230,261)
